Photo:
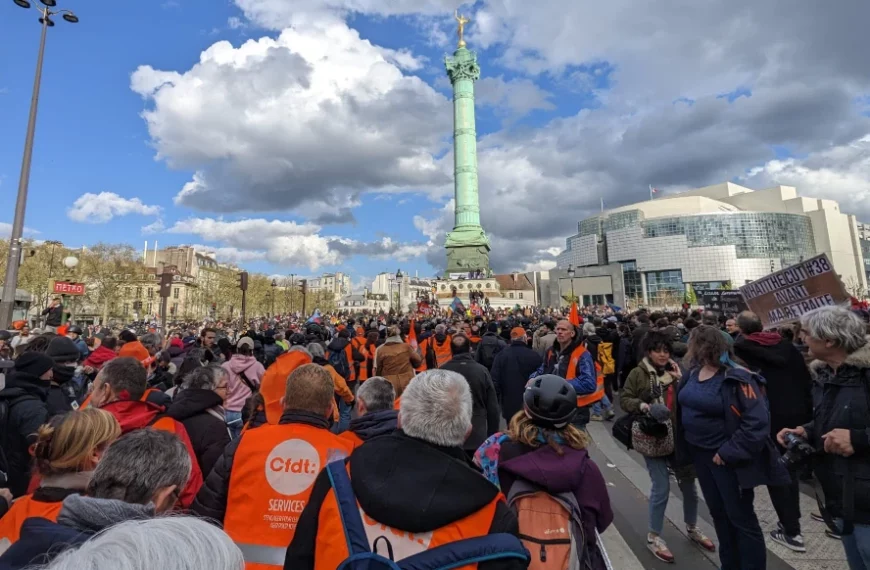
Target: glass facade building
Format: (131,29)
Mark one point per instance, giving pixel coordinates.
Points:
(717,237)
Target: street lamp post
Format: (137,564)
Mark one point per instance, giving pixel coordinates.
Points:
(292,289)
(571,274)
(70,262)
(274,284)
(10,283)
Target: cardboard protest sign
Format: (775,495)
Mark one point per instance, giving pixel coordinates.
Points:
(722,301)
(784,296)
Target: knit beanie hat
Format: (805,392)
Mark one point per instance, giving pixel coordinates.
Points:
(35,363)
(61,349)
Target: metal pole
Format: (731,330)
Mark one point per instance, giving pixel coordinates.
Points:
(10,283)
(244,308)
(163,304)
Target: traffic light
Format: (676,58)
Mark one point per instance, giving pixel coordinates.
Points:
(243,280)
(165,285)
(303,286)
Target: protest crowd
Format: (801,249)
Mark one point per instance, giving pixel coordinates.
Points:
(450,439)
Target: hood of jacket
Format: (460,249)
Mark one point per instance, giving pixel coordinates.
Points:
(763,353)
(100,356)
(544,467)
(851,367)
(88,514)
(175,350)
(192,402)
(429,488)
(242,363)
(374,424)
(337,344)
(23,384)
(557,348)
(133,414)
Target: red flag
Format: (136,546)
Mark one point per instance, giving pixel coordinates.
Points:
(574,315)
(412,336)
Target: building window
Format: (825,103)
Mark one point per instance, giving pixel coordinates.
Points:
(126,308)
(631,280)
(127,291)
(175,293)
(519,295)
(150,292)
(665,288)
(138,292)
(510,295)
(150,308)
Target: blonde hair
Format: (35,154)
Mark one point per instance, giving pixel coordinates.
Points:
(66,442)
(523,430)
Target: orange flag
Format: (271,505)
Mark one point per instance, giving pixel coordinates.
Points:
(574,316)
(412,336)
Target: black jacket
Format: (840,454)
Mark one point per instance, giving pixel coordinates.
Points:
(61,394)
(407,484)
(25,394)
(55,315)
(374,424)
(636,354)
(789,385)
(841,399)
(211,501)
(485,413)
(510,374)
(208,433)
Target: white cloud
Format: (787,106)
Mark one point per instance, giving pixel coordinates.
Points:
(278,14)
(316,115)
(100,208)
(515,97)
(6,231)
(288,243)
(155,227)
(234,22)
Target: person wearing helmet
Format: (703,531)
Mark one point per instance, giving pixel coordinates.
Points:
(543,448)
(74,333)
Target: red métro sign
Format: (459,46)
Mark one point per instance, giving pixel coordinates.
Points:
(69,288)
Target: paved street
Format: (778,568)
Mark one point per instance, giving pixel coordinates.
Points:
(629,487)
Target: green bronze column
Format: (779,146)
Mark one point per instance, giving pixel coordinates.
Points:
(467,245)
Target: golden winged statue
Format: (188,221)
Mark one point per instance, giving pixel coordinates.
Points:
(462,21)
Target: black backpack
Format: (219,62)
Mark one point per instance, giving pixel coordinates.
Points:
(5,409)
(486,351)
(338,360)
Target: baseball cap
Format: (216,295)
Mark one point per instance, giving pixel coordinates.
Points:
(518,332)
(245,341)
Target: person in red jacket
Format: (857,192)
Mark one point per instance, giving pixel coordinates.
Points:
(119,389)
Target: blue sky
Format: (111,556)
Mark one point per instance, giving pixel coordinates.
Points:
(575,104)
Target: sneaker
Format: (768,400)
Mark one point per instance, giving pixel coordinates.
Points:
(795,543)
(659,548)
(596,418)
(833,535)
(610,415)
(695,535)
(817,517)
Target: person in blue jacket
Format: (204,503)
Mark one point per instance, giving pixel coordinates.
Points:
(723,423)
(557,360)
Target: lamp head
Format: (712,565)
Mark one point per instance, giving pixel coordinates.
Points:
(49,3)
(22,3)
(71,18)
(47,21)
(70,262)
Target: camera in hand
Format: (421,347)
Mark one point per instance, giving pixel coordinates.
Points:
(797,448)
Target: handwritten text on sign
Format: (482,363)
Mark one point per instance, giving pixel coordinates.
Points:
(788,294)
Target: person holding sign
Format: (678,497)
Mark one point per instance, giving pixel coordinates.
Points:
(840,430)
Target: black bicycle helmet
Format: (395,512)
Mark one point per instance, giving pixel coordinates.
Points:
(75,329)
(550,401)
(297,339)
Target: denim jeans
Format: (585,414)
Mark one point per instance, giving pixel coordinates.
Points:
(661,488)
(234,423)
(602,403)
(741,542)
(343,418)
(857,546)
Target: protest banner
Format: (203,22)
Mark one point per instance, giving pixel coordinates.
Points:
(784,296)
(724,301)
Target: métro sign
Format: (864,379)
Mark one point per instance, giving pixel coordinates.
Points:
(68,288)
(788,294)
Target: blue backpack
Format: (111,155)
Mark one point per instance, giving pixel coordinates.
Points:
(444,557)
(339,362)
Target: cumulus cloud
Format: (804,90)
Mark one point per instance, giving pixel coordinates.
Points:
(278,14)
(100,208)
(314,116)
(515,97)
(288,243)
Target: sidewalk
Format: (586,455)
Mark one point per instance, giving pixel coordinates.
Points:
(822,552)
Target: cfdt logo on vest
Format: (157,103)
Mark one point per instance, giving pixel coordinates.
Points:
(292,466)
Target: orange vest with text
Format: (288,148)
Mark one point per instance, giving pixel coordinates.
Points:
(270,483)
(586,399)
(331,548)
(24,508)
(359,343)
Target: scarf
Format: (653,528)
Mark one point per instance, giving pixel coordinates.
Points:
(88,514)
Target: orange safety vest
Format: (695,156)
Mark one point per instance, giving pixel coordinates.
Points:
(442,352)
(397,405)
(586,399)
(270,482)
(360,344)
(144,398)
(24,508)
(353,438)
(331,548)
